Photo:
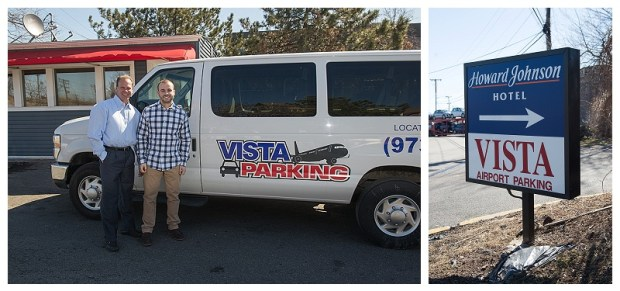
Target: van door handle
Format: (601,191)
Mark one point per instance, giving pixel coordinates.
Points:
(193,144)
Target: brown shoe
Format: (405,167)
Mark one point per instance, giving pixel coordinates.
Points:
(176,234)
(146,239)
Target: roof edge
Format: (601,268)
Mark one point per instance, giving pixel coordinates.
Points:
(106,42)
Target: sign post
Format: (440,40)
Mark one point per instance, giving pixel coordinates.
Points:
(527,210)
(523,126)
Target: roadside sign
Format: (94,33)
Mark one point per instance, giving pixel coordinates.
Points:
(523,123)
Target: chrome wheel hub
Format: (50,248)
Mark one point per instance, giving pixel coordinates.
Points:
(90,191)
(397,215)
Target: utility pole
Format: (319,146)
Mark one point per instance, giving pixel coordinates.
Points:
(435,80)
(547,28)
(448,103)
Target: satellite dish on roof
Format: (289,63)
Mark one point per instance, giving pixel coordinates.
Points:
(33,24)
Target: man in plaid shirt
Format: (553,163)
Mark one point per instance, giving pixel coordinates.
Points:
(163,150)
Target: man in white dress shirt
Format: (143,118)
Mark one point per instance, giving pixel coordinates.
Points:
(112,130)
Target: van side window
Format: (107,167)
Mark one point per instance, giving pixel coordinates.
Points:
(272,90)
(183,80)
(373,88)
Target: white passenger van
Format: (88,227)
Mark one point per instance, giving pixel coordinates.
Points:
(334,127)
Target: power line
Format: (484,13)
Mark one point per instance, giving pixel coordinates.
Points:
(537,14)
(519,29)
(524,50)
(507,46)
(76,21)
(483,33)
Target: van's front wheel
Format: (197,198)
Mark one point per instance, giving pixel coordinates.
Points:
(389,212)
(85,190)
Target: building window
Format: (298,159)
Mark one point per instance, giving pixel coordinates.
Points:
(272,90)
(11,92)
(35,88)
(373,88)
(75,87)
(110,75)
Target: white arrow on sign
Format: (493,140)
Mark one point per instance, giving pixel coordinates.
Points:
(531,118)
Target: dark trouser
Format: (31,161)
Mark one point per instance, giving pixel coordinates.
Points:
(117,174)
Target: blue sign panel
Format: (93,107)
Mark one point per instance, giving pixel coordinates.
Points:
(523,122)
(517,97)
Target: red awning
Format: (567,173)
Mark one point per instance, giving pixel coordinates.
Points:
(169,52)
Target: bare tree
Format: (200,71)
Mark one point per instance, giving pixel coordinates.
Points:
(594,39)
(17,33)
(16,30)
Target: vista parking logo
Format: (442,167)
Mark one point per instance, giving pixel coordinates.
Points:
(272,160)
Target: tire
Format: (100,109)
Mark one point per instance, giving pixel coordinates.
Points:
(85,190)
(398,229)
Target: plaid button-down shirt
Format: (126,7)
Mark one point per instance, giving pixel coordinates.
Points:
(163,137)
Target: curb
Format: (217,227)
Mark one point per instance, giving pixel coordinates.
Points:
(491,216)
(476,219)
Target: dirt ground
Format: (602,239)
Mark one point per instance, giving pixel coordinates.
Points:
(468,253)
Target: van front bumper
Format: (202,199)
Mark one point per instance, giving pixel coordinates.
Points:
(59,174)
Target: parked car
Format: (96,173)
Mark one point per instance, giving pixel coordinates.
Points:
(440,113)
(438,128)
(458,112)
(459,128)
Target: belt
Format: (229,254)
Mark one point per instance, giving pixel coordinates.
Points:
(117,149)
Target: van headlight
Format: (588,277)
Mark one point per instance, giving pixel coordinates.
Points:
(56,140)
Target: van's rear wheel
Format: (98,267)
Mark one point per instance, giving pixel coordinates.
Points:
(389,212)
(85,190)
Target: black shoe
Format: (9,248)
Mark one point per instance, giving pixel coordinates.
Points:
(145,238)
(132,232)
(176,234)
(111,246)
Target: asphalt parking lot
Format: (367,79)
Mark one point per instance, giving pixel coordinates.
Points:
(228,241)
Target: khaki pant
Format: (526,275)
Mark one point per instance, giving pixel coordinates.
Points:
(152,180)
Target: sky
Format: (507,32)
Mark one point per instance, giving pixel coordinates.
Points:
(487,33)
(490,33)
(76,20)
